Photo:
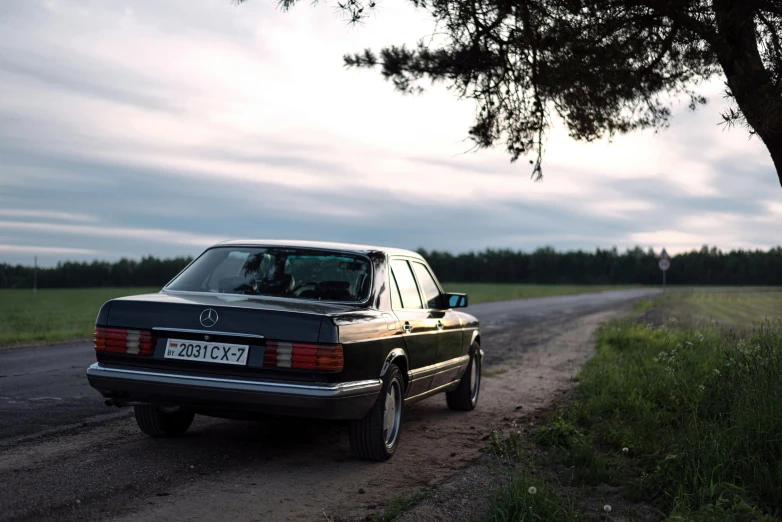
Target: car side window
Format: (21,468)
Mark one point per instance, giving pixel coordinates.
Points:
(396,300)
(406,283)
(428,286)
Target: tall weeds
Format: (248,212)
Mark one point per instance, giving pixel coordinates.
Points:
(695,414)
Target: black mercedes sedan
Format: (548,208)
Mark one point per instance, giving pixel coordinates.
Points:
(297,328)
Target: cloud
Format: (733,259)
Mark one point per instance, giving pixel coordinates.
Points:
(71,80)
(160,128)
(45,214)
(146,234)
(46,250)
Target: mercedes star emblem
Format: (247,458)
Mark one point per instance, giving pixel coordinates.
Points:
(209,317)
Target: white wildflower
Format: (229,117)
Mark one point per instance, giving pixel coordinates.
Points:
(607,508)
(625,450)
(532,490)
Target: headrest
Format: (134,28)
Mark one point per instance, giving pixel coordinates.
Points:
(335,289)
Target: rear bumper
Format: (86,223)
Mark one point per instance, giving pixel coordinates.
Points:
(346,400)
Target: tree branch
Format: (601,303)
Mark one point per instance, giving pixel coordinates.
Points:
(774,36)
(667,8)
(666,48)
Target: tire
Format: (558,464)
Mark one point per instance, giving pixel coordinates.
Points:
(465,396)
(157,423)
(369,439)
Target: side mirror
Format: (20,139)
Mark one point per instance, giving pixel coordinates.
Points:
(456,300)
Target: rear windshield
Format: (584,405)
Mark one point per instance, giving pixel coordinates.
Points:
(278,272)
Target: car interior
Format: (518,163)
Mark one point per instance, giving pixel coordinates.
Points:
(264,274)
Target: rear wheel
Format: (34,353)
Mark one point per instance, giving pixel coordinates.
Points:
(465,396)
(376,436)
(158,423)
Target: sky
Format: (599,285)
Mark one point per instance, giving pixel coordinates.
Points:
(133,128)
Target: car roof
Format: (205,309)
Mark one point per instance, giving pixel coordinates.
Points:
(321,245)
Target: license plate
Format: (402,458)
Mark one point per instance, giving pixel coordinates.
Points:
(220,353)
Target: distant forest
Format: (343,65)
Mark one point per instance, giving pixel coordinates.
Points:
(707,266)
(150,271)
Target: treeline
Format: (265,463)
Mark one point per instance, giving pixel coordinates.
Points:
(707,266)
(149,271)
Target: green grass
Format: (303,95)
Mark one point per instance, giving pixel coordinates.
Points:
(685,418)
(520,496)
(57,315)
(524,499)
(728,306)
(63,314)
(399,505)
(493,373)
(487,292)
(643,305)
(53,315)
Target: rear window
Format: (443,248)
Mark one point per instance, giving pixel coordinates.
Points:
(278,272)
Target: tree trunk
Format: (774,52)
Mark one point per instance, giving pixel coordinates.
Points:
(774,145)
(756,95)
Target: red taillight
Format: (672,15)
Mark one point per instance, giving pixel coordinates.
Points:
(303,356)
(119,340)
(147,343)
(110,340)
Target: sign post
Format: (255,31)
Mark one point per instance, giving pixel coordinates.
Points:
(664,263)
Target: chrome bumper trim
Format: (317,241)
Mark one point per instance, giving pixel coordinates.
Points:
(433,391)
(207,332)
(432,369)
(325,390)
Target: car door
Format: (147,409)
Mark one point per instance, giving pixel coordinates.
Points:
(419,327)
(449,338)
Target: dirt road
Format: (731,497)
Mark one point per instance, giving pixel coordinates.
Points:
(64,456)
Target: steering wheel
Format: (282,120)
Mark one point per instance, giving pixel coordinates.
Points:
(300,288)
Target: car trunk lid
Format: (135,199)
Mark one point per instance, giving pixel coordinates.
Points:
(288,320)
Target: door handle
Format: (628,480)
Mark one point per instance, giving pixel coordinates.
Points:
(439,325)
(406,327)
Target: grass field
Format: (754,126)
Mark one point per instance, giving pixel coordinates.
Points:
(728,306)
(58,315)
(53,315)
(683,416)
(487,292)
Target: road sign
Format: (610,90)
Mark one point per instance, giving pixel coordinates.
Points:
(664,263)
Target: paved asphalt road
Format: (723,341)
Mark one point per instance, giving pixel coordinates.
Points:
(44,389)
